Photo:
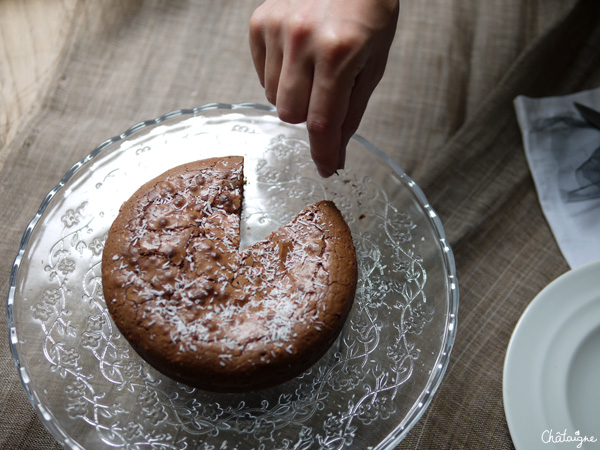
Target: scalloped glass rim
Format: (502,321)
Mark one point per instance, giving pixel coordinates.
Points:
(438,370)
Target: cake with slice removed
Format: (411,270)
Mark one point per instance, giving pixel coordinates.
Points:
(209,314)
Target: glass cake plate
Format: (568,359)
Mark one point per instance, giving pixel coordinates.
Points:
(91,390)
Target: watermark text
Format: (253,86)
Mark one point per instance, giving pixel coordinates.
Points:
(563,437)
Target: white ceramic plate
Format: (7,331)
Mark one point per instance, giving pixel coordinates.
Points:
(552,367)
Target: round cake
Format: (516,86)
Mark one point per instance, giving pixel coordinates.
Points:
(209,314)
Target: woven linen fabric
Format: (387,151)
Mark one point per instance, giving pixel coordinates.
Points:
(443,111)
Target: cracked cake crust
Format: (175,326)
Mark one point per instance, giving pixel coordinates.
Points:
(209,314)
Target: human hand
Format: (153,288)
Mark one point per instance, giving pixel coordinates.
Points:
(319,61)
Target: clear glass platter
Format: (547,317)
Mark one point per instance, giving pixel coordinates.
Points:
(91,390)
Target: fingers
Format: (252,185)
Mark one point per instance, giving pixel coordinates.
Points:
(359,98)
(328,147)
(325,144)
(328,140)
(265,33)
(337,102)
(319,62)
(301,69)
(273,62)
(258,49)
(327,111)
(297,73)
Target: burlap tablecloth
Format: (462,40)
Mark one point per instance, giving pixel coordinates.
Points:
(443,111)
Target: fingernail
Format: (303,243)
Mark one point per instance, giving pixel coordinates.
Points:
(324,171)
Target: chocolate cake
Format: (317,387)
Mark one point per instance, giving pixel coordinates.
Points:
(209,314)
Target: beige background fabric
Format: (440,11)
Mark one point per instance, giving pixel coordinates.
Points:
(443,111)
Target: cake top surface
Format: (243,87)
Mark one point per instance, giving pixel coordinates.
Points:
(175,274)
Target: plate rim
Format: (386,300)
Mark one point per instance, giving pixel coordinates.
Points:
(451,323)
